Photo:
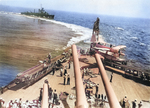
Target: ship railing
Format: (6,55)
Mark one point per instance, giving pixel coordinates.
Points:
(129,71)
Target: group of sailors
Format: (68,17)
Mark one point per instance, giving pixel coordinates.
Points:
(18,103)
(85,71)
(98,99)
(84,51)
(125,103)
(52,95)
(93,96)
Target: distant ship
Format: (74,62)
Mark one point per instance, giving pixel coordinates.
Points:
(41,13)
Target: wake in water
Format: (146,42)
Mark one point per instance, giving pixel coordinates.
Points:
(135,38)
(119,28)
(125,36)
(83,33)
(133,33)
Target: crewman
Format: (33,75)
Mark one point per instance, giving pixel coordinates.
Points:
(49,57)
(54,68)
(111,77)
(54,97)
(102,96)
(134,103)
(41,91)
(124,101)
(140,104)
(61,72)
(65,71)
(68,80)
(69,65)
(64,79)
(96,89)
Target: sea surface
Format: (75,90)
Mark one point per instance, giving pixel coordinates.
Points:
(68,28)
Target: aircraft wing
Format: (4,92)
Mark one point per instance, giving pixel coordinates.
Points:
(103,49)
(119,47)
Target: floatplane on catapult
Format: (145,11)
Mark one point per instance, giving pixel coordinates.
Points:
(114,57)
(106,50)
(112,53)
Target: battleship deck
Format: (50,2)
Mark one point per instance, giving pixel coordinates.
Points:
(121,85)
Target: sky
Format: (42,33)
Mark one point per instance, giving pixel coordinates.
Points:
(128,8)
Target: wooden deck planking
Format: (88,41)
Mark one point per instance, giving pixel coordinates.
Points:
(121,85)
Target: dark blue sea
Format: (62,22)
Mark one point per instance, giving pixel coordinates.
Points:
(132,32)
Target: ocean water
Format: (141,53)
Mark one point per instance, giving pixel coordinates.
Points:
(132,32)
(7,74)
(26,40)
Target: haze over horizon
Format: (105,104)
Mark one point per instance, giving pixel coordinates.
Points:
(126,8)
